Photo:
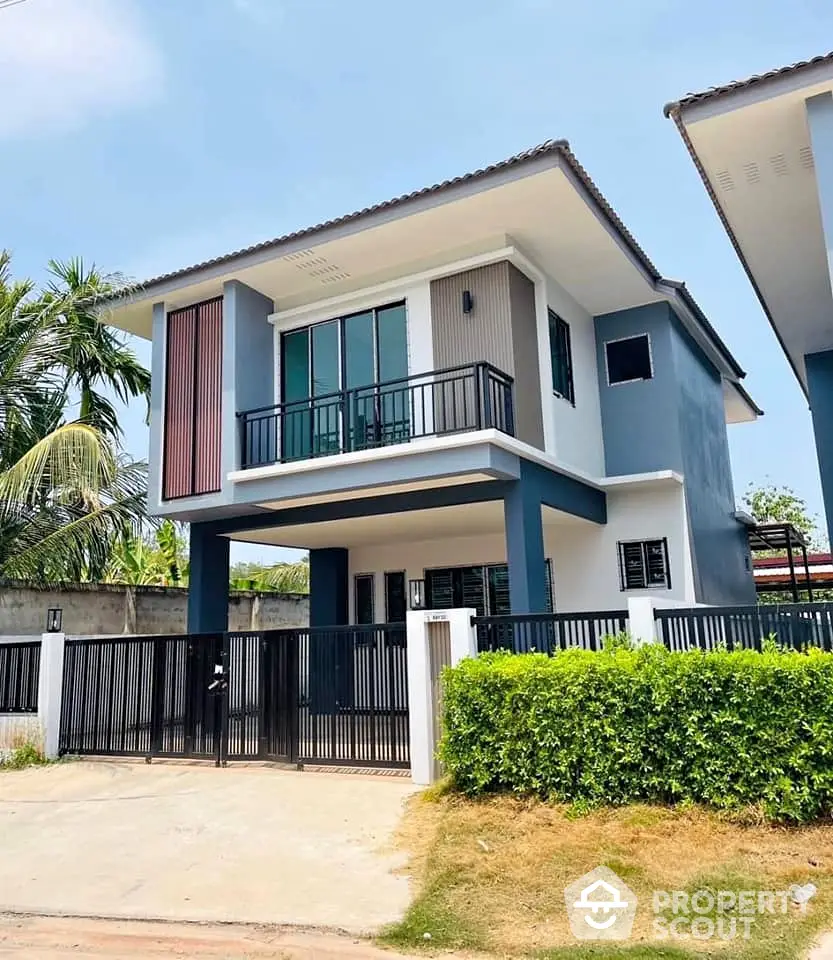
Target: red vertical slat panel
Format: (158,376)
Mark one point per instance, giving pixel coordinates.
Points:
(209,395)
(177,473)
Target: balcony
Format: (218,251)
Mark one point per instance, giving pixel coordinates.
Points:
(442,402)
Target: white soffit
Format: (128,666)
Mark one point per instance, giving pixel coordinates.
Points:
(755,151)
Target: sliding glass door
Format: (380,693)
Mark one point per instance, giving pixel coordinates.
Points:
(333,384)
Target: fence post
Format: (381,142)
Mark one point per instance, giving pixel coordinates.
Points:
(50,686)
(425,658)
(642,622)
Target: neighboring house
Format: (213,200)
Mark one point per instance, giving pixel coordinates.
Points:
(764,149)
(485,385)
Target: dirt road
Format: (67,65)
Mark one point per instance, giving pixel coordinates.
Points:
(57,938)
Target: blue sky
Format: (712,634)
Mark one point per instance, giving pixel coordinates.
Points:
(149,134)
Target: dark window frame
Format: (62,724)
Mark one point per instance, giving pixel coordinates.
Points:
(636,336)
(558,331)
(356,578)
(395,573)
(644,547)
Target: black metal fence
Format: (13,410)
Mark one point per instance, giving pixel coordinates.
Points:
(454,400)
(796,626)
(19,674)
(548,632)
(329,696)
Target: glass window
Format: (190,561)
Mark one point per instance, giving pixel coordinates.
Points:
(393,343)
(363,584)
(561,357)
(359,366)
(296,365)
(644,563)
(628,360)
(325,359)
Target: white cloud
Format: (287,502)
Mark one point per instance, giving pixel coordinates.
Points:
(64,63)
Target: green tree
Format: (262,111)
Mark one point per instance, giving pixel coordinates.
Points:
(278,578)
(93,354)
(65,493)
(774,504)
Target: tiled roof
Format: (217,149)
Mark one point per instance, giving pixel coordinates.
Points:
(735,85)
(558,147)
(561,147)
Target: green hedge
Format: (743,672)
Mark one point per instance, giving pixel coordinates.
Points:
(727,729)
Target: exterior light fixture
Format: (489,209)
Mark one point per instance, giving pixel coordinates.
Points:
(54,619)
(468,301)
(416,594)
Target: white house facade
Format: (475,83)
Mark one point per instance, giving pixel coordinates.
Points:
(484,387)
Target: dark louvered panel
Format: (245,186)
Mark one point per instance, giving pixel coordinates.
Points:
(473,595)
(655,562)
(439,589)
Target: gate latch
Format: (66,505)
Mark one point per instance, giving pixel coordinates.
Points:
(219,682)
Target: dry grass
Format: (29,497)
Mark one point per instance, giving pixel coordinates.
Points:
(490,875)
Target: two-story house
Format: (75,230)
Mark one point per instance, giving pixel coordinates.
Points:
(484,388)
(763,147)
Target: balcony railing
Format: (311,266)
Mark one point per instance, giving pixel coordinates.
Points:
(455,400)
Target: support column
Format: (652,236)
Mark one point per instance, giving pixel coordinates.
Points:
(330,654)
(328,588)
(50,687)
(819,367)
(208,582)
(525,548)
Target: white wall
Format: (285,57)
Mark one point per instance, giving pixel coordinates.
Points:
(576,438)
(414,558)
(586,557)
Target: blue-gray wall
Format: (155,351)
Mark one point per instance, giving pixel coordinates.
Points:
(676,421)
(819,367)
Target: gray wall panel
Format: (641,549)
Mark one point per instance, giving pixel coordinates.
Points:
(528,417)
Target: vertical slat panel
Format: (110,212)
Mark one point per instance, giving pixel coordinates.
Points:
(209,392)
(179,403)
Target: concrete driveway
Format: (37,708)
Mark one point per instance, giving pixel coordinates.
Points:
(196,843)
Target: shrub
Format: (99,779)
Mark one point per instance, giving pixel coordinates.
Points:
(728,729)
(23,754)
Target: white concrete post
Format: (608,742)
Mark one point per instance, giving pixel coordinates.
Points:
(641,622)
(50,685)
(421,705)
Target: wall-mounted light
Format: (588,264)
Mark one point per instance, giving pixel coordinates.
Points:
(416,594)
(54,619)
(468,301)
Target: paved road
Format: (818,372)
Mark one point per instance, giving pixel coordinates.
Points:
(186,842)
(62,939)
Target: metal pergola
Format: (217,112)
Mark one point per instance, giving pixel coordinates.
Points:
(778,538)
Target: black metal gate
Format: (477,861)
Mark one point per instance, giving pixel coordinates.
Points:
(337,695)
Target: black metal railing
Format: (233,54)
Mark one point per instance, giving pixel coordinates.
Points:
(455,400)
(548,632)
(796,626)
(19,673)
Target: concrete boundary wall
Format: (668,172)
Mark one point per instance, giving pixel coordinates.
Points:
(102,609)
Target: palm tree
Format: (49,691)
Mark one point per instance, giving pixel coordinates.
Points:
(65,494)
(94,355)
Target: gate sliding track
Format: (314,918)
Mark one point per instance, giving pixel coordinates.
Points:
(329,695)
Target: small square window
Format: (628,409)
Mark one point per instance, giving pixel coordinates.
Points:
(628,360)
(643,564)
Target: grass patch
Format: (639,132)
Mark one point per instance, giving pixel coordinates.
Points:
(23,754)
(490,875)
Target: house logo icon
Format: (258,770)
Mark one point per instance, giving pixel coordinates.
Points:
(600,906)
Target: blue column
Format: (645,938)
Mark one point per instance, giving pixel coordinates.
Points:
(525,548)
(330,654)
(819,367)
(328,596)
(208,584)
